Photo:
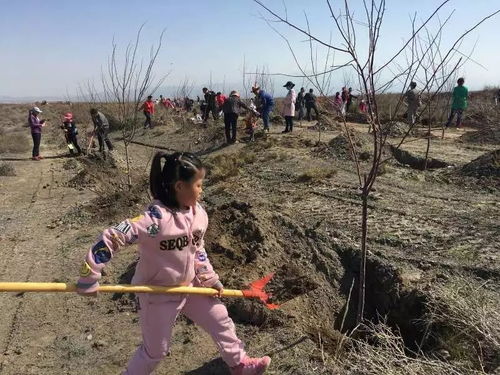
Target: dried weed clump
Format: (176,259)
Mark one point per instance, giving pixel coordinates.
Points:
(7,169)
(223,166)
(464,319)
(384,352)
(316,174)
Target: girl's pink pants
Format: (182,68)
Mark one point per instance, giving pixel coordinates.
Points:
(157,316)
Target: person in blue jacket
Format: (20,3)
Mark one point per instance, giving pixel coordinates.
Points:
(265,104)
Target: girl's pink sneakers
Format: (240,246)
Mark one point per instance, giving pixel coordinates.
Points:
(251,366)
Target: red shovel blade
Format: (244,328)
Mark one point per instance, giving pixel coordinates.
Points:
(257,291)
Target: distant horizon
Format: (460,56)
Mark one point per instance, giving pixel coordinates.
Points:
(55,99)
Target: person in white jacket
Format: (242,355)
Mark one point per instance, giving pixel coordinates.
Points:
(289,107)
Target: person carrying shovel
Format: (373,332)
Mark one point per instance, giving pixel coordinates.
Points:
(70,133)
(170,238)
(101,128)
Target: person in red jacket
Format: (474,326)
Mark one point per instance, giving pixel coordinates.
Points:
(149,109)
(220,98)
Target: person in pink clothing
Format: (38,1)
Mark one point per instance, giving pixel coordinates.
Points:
(170,235)
(338,103)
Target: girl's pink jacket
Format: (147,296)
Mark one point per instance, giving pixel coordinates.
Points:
(171,248)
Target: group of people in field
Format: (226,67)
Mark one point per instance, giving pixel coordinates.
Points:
(68,125)
(299,105)
(459,103)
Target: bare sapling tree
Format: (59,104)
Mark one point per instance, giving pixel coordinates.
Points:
(184,89)
(127,81)
(358,46)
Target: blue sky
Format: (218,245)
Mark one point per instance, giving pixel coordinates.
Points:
(49,47)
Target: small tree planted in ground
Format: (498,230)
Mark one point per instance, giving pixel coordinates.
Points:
(126,81)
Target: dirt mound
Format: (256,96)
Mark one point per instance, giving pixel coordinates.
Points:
(396,128)
(488,134)
(325,123)
(289,282)
(340,146)
(94,170)
(487,165)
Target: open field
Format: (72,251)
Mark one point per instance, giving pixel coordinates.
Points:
(284,203)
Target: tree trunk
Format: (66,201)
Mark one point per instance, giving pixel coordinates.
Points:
(362,264)
(129,178)
(428,140)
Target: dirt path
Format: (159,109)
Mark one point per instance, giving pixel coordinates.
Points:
(31,201)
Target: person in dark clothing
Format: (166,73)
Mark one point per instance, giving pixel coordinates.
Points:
(350,96)
(211,105)
(310,103)
(70,133)
(188,104)
(101,128)
(231,109)
(36,131)
(299,104)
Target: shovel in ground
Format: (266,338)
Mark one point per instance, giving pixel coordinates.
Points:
(255,290)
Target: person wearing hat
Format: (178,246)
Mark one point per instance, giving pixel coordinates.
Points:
(265,104)
(231,109)
(289,107)
(148,108)
(101,128)
(412,98)
(70,133)
(36,131)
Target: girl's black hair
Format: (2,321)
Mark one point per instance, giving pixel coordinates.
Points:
(179,166)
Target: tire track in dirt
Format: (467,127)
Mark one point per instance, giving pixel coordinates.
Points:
(12,304)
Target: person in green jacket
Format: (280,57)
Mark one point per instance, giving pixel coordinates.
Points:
(459,103)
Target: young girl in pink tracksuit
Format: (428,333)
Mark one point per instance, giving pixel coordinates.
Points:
(170,238)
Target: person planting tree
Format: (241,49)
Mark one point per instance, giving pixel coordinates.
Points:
(70,133)
(265,104)
(101,128)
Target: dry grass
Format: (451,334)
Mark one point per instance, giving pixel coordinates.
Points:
(464,319)
(386,354)
(14,142)
(223,166)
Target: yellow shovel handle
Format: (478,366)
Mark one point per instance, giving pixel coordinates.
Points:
(119,288)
